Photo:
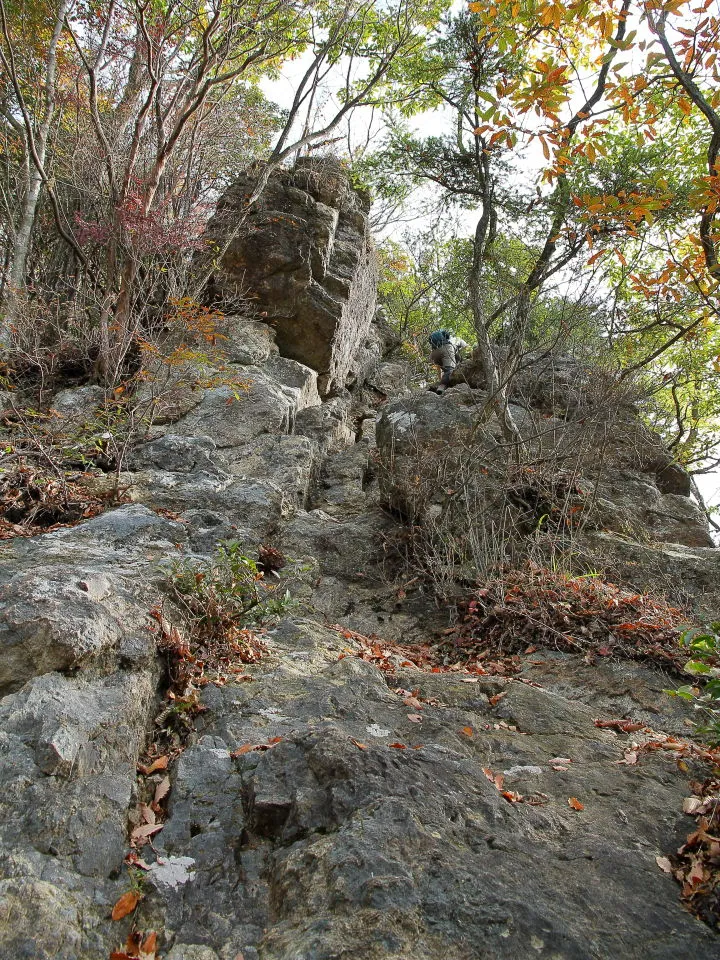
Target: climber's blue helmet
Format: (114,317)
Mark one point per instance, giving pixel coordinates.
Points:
(439,338)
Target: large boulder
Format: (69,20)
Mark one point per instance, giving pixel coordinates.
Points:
(305,259)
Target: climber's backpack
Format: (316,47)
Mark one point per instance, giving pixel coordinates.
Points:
(439,338)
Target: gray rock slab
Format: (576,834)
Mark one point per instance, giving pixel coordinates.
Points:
(334,839)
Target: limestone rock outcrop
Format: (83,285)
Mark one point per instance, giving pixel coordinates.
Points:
(314,810)
(304,259)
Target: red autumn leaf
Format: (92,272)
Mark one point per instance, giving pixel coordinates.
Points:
(159,764)
(468,731)
(493,701)
(116,955)
(575,804)
(245,748)
(132,944)
(273,740)
(360,746)
(133,860)
(125,905)
(398,746)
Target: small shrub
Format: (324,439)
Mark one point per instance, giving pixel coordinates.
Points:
(219,596)
(703,643)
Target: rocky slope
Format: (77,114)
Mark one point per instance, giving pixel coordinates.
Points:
(369,824)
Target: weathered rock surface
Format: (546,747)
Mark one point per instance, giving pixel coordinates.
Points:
(367,827)
(335,841)
(305,258)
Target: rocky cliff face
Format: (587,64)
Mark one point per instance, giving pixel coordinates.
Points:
(304,257)
(338,798)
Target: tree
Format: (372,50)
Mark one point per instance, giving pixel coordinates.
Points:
(146,87)
(663,238)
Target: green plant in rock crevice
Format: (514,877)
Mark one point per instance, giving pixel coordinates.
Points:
(219,596)
(703,643)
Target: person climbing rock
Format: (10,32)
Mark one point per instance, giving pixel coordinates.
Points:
(446,354)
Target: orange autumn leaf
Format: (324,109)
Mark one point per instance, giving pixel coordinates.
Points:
(159,764)
(360,746)
(468,731)
(575,804)
(149,946)
(398,746)
(512,796)
(125,905)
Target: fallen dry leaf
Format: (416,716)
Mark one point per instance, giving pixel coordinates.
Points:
(468,731)
(146,830)
(469,679)
(159,764)
(493,701)
(560,760)
(162,790)
(245,748)
(511,796)
(624,726)
(557,766)
(692,805)
(133,860)
(125,905)
(575,803)
(414,718)
(413,702)
(664,864)
(360,746)
(149,947)
(497,779)
(398,746)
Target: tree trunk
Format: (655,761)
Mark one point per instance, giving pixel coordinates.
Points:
(36,145)
(498,390)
